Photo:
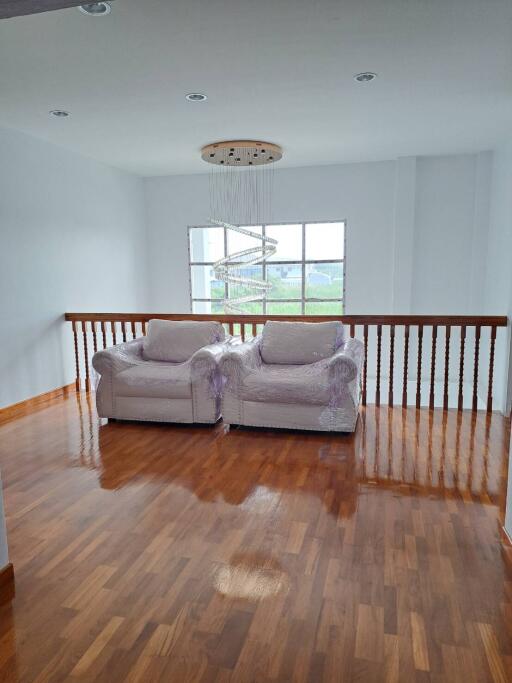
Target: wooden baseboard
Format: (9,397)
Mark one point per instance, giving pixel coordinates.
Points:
(505,537)
(7,586)
(24,407)
(506,544)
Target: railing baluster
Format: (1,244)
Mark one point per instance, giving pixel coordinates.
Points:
(116,325)
(446,366)
(433,368)
(391,362)
(77,358)
(418,371)
(379,348)
(86,356)
(475,367)
(365,365)
(406,365)
(491,368)
(94,338)
(460,401)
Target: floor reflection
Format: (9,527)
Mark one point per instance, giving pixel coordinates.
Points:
(251,576)
(433,451)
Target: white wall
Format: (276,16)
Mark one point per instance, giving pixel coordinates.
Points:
(451,226)
(72,237)
(498,291)
(414,236)
(4,555)
(498,282)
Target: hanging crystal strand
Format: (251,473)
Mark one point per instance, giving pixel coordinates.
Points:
(241,193)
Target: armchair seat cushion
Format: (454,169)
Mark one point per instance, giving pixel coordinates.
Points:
(297,384)
(155,380)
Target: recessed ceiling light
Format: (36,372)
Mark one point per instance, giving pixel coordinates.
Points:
(60,113)
(96,9)
(365,77)
(196,97)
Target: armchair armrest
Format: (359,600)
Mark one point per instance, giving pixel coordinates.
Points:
(209,354)
(347,362)
(118,358)
(239,359)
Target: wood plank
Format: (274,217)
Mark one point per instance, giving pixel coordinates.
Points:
(419,642)
(7,587)
(93,652)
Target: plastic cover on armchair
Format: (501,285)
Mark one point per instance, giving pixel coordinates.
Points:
(320,395)
(132,387)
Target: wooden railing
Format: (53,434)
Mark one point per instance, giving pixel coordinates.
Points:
(400,350)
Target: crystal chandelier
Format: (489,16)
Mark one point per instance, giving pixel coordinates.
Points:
(241,188)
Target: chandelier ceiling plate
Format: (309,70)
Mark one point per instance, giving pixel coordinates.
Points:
(241,153)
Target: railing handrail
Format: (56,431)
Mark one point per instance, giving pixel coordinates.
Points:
(360,319)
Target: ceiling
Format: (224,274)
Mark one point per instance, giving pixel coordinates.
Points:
(279,70)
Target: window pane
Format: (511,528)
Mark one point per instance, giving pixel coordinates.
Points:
(286,281)
(207,307)
(237,289)
(204,283)
(324,241)
(252,308)
(324,280)
(206,244)
(238,242)
(284,307)
(324,308)
(289,242)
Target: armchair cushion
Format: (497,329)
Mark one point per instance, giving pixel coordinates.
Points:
(155,380)
(175,341)
(295,384)
(297,343)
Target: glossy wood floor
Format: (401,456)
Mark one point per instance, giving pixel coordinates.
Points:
(167,553)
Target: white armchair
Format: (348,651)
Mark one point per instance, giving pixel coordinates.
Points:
(172,375)
(294,376)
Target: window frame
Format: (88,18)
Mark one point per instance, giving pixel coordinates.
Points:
(302,263)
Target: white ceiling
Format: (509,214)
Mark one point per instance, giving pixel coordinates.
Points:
(280,70)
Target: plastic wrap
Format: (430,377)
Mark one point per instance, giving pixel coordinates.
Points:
(175,341)
(323,394)
(148,386)
(205,368)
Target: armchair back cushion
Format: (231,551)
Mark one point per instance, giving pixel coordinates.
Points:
(175,341)
(287,343)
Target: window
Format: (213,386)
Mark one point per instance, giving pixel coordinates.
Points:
(307,271)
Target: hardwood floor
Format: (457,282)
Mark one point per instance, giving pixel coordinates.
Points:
(174,553)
